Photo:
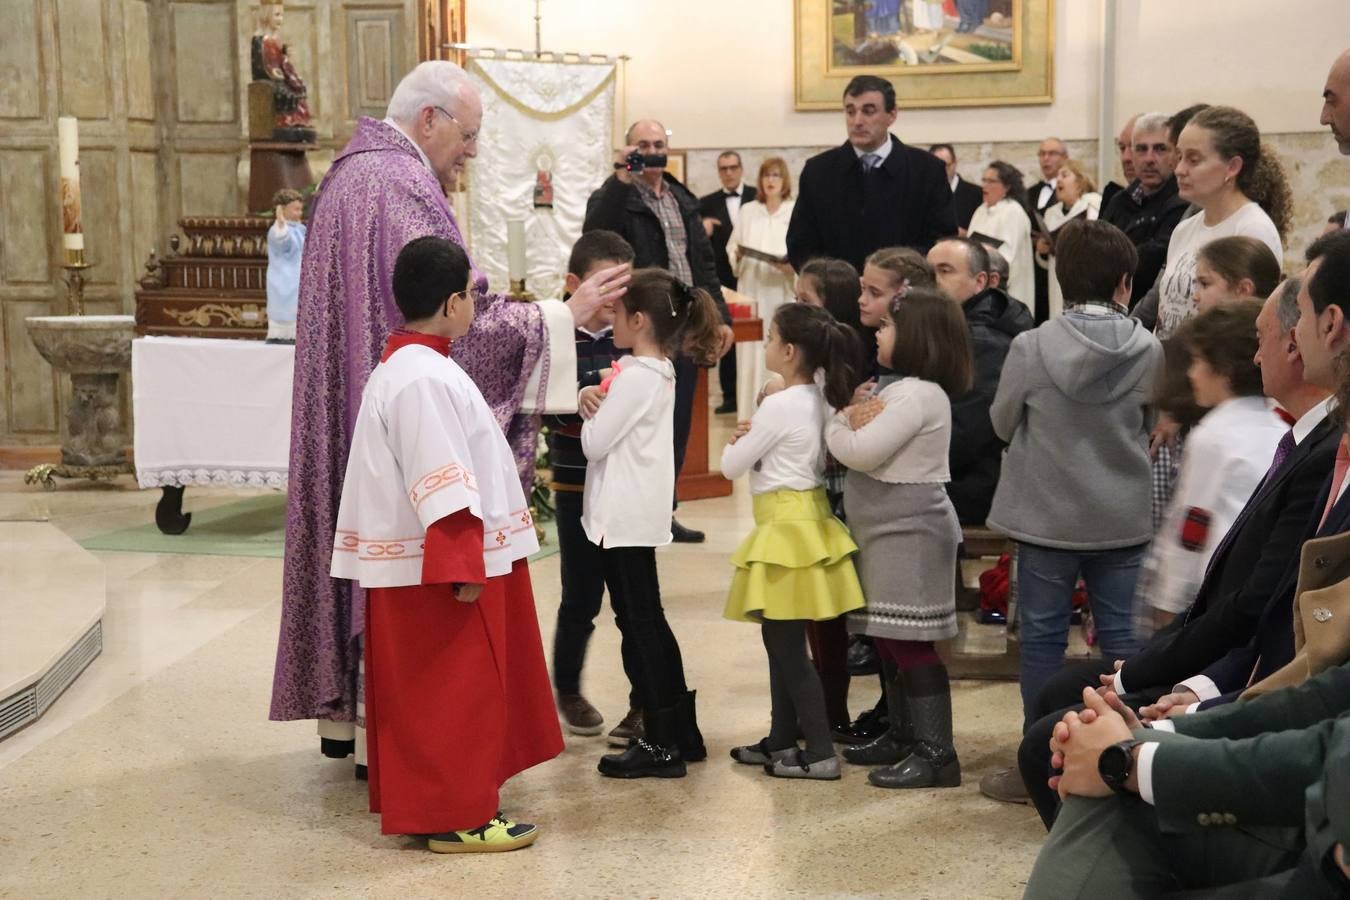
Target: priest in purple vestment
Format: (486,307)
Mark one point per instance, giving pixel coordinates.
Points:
(386,188)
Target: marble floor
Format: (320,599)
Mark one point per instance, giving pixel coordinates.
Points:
(158,774)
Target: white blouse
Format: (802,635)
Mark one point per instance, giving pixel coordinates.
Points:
(1056,217)
(785,447)
(1008,221)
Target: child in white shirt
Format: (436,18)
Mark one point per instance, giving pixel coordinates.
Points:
(796,566)
(626,505)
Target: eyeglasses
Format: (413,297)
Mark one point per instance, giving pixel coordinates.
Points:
(470,294)
(470,137)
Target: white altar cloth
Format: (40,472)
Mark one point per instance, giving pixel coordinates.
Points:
(211,413)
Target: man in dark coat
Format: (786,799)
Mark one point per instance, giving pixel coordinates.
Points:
(994,320)
(872,191)
(966,197)
(1149,209)
(721,210)
(660,219)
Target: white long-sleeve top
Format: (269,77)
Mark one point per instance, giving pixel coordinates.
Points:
(1227,455)
(785,447)
(907,443)
(630,447)
(1008,221)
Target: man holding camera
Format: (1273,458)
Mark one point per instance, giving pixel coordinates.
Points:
(660,219)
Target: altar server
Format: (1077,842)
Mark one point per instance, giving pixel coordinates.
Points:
(385,188)
(434,525)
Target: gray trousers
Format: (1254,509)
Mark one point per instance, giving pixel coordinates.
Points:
(1113,848)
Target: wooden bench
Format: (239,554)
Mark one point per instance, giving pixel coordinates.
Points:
(978,542)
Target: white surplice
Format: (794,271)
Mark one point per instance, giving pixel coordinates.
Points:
(1007,221)
(767,285)
(425,446)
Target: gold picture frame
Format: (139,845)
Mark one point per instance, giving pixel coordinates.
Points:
(1014,65)
(676,161)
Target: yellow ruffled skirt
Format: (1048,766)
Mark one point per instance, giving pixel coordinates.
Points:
(796,564)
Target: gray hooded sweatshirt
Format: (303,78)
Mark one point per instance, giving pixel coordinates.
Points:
(1072,406)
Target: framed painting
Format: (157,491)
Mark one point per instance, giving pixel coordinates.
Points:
(936,52)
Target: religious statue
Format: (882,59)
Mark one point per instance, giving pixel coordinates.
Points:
(272,64)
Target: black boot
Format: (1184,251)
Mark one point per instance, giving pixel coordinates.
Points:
(689,738)
(655,756)
(933,763)
(862,657)
(897,741)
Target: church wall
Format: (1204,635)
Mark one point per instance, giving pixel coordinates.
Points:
(160,89)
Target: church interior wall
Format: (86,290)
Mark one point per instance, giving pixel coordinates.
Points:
(159,87)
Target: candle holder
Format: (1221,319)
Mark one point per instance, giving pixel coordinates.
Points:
(75,266)
(520,292)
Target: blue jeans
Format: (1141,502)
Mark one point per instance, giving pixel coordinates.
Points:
(1046,578)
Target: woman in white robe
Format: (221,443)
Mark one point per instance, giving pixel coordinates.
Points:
(1003,222)
(1078,199)
(762,226)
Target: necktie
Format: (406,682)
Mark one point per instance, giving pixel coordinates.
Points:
(1337,477)
(870,161)
(1282,451)
(735,194)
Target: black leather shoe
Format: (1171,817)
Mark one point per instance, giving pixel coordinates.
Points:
(867,727)
(883,750)
(643,760)
(726,409)
(681,535)
(862,657)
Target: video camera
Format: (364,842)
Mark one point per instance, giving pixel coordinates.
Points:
(636,162)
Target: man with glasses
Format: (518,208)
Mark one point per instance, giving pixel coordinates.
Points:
(873,191)
(721,211)
(660,219)
(385,189)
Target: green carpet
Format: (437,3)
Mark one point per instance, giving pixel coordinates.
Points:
(252,527)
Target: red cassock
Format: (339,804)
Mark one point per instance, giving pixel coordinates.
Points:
(458,698)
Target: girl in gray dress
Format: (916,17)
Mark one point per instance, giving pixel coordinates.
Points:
(895,445)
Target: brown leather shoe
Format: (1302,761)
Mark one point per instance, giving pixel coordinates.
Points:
(578,714)
(627,730)
(1005,786)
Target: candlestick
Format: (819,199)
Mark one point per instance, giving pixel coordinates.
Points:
(515,249)
(72,229)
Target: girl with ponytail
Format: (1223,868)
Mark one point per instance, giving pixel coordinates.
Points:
(625,508)
(796,567)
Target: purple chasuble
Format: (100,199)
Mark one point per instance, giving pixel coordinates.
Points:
(376,198)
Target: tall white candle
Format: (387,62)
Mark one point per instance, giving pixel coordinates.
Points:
(68,134)
(515,249)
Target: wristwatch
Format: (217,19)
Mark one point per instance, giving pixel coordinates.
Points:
(1116,763)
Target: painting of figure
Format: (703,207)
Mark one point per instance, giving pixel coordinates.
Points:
(927,33)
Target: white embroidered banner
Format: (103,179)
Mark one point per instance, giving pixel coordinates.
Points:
(546,146)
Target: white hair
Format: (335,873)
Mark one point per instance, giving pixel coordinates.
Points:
(436,82)
(1153,121)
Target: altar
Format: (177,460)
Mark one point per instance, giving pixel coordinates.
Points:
(209,413)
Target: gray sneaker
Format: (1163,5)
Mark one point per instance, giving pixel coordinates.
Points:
(796,766)
(1005,786)
(628,729)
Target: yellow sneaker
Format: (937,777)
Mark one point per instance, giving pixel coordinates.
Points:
(499,835)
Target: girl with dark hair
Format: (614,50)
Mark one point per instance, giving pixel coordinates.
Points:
(907,531)
(1234,269)
(796,567)
(1002,222)
(626,505)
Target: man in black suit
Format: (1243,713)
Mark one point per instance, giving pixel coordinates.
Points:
(1249,567)
(720,211)
(871,192)
(966,197)
(1050,156)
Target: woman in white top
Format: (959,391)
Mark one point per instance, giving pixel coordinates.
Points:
(762,225)
(1240,188)
(1003,217)
(1078,198)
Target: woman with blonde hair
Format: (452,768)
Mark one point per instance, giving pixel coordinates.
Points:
(1078,199)
(757,249)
